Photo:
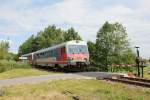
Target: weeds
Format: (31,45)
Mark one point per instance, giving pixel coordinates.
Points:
(9,65)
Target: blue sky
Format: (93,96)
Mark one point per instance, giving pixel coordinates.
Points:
(19,19)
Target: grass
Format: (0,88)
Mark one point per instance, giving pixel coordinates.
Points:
(146,75)
(12,69)
(24,72)
(77,89)
(9,65)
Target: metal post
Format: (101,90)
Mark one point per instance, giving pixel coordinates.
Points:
(142,72)
(138,62)
(142,66)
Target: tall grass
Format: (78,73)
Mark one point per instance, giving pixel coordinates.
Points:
(124,69)
(75,89)
(9,65)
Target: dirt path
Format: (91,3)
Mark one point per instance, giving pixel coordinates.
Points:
(35,79)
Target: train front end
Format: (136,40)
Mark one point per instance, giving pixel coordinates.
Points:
(77,53)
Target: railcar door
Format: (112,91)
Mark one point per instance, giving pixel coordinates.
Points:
(30,59)
(63,57)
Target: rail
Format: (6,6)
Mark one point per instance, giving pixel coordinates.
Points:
(132,81)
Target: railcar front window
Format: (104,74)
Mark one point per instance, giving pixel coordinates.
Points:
(76,49)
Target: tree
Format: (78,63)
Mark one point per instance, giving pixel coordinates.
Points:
(27,46)
(71,34)
(4,47)
(92,52)
(48,37)
(128,57)
(111,43)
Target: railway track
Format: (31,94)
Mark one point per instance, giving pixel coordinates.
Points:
(132,81)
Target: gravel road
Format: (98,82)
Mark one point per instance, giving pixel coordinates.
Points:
(36,79)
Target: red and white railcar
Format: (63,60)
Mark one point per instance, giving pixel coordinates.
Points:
(71,53)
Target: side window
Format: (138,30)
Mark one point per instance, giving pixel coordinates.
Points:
(41,54)
(37,55)
(55,52)
(49,53)
(58,51)
(45,55)
(52,53)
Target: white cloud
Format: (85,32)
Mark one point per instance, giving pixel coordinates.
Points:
(81,14)
(144,3)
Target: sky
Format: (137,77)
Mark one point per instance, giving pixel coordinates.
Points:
(19,19)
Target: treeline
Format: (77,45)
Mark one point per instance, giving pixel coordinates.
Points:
(4,50)
(48,37)
(111,47)
(8,59)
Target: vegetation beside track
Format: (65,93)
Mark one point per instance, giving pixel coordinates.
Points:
(13,69)
(9,65)
(146,75)
(77,89)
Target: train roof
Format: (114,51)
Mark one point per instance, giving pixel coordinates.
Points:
(25,55)
(73,42)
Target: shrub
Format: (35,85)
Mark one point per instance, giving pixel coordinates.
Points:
(8,65)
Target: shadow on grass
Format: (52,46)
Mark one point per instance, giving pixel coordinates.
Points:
(73,69)
(86,73)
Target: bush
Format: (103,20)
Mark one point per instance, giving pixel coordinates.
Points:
(8,65)
(122,69)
